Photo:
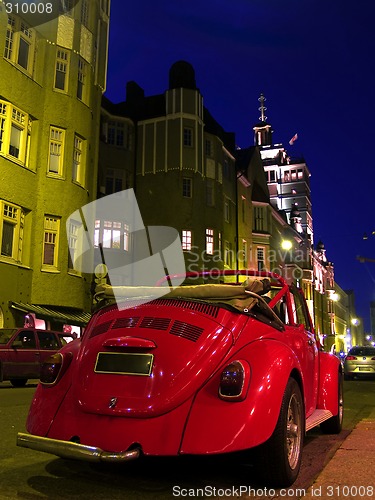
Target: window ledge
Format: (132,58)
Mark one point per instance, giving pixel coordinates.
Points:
(76,274)
(15,160)
(22,70)
(50,270)
(11,262)
(55,176)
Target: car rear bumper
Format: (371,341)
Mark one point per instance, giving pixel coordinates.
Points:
(76,451)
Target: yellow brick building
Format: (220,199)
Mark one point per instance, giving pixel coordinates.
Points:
(52,77)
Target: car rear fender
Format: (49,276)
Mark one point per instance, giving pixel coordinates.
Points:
(218,426)
(48,398)
(330,371)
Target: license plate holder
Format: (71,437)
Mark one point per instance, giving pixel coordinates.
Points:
(124,363)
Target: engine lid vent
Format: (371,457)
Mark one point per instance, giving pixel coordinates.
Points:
(155,323)
(126,322)
(185,330)
(201,307)
(102,328)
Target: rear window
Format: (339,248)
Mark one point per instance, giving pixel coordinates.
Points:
(48,340)
(6,334)
(362,351)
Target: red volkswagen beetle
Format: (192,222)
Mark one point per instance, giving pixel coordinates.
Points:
(205,369)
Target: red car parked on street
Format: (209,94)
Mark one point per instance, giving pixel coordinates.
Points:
(205,369)
(24,350)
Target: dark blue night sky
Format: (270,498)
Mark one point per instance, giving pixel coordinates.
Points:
(314,62)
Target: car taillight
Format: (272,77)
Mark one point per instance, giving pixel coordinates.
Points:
(234,381)
(54,367)
(351,358)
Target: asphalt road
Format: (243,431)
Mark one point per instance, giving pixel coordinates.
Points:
(30,475)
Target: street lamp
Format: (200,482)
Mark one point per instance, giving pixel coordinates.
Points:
(286,245)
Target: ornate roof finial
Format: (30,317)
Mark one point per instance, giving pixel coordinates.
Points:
(262,109)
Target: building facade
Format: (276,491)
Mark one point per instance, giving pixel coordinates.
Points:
(52,80)
(288,180)
(180,163)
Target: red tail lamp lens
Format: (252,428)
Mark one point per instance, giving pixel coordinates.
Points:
(351,358)
(54,367)
(234,381)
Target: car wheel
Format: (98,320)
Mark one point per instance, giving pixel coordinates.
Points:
(280,457)
(18,382)
(334,424)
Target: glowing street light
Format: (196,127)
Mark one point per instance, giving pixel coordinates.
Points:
(286,245)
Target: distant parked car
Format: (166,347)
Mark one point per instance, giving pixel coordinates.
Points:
(24,350)
(360,361)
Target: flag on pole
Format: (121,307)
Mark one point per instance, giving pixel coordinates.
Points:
(293,139)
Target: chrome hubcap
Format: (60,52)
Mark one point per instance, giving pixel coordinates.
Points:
(293,434)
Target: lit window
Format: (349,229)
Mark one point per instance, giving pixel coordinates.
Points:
(126,237)
(51,241)
(61,69)
(78,173)
(210,241)
(11,231)
(186,240)
(112,234)
(188,136)
(19,44)
(73,228)
(56,151)
(81,80)
(97,234)
(187,187)
(15,128)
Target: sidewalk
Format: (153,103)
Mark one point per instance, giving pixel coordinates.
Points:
(350,473)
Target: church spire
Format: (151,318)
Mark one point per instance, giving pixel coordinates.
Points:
(262,130)
(262,109)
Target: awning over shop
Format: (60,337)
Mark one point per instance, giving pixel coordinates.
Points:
(64,315)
